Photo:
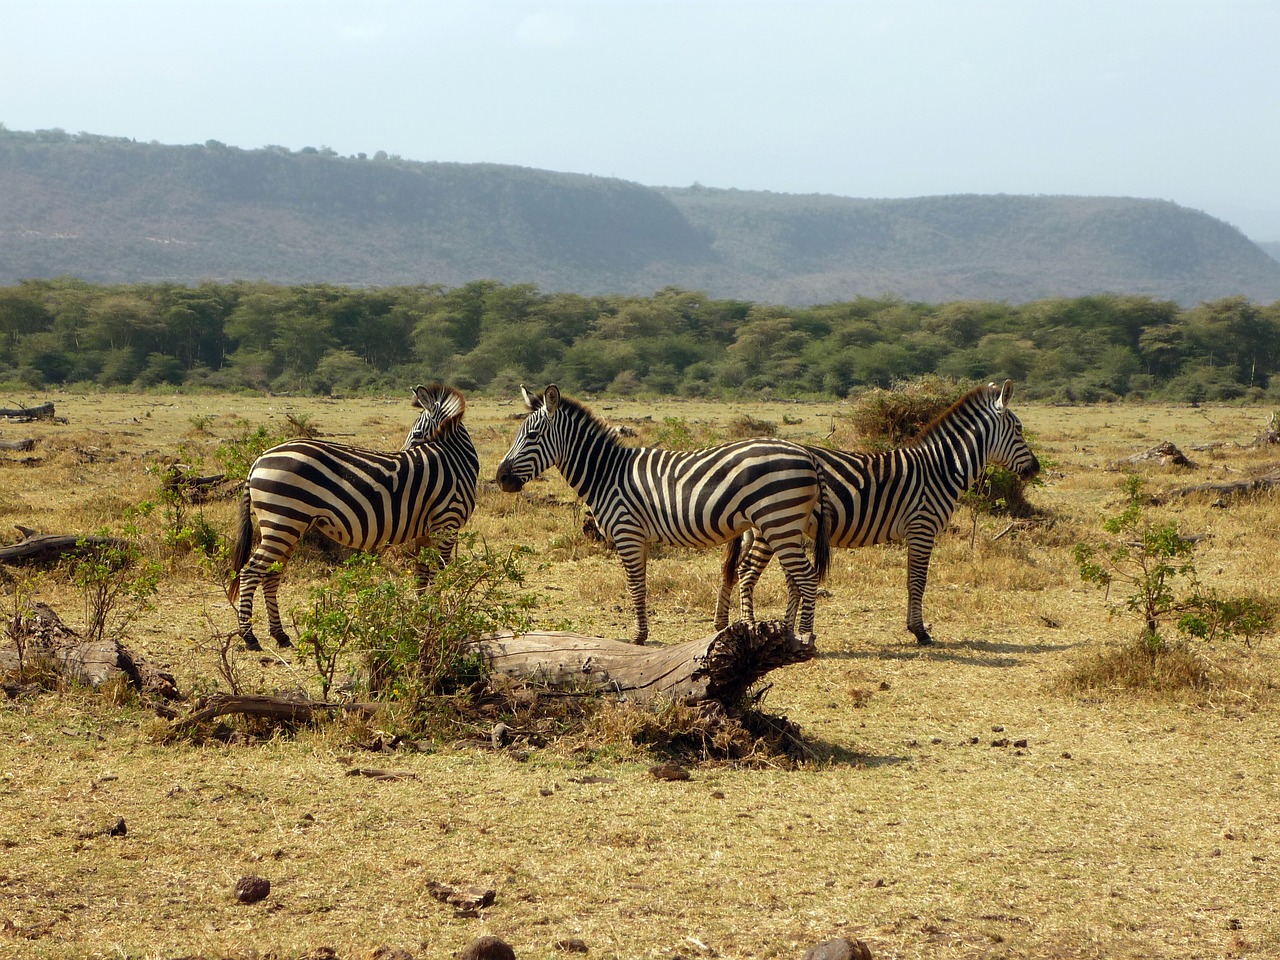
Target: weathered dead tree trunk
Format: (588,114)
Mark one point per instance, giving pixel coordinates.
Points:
(39,640)
(1237,488)
(720,667)
(50,547)
(1164,453)
(26,414)
(22,446)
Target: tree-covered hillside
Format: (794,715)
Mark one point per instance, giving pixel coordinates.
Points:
(109,210)
(493,337)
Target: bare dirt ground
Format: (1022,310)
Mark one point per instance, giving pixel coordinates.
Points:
(959,801)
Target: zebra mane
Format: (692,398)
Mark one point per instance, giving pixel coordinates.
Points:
(580,412)
(974,396)
(450,402)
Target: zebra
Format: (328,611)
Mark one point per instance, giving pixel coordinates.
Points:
(364,499)
(905,494)
(701,498)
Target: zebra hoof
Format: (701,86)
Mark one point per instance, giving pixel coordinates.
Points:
(250,641)
(282,640)
(924,640)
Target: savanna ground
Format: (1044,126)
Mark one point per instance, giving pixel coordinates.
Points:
(1129,825)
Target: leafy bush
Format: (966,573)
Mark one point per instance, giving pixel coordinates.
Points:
(1156,565)
(407,645)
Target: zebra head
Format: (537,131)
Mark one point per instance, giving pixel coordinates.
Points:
(1007,446)
(538,443)
(442,407)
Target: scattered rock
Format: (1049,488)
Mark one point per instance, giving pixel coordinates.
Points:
(669,771)
(839,949)
(252,889)
(463,899)
(488,948)
(115,828)
(572,945)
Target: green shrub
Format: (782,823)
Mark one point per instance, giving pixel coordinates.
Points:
(412,646)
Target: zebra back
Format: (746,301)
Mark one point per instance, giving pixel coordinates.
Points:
(875,495)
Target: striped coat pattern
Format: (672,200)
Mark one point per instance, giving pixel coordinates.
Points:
(702,498)
(905,494)
(365,499)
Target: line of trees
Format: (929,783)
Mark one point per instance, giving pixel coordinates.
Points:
(491,337)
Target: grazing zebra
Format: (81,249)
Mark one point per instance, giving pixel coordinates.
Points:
(644,495)
(906,494)
(361,498)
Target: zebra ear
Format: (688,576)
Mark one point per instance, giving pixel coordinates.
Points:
(551,397)
(1006,394)
(422,397)
(531,400)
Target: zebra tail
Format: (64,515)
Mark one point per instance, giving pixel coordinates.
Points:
(243,545)
(729,565)
(822,539)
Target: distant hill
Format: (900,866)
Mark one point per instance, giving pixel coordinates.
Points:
(112,210)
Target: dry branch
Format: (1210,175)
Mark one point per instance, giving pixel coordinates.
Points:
(50,547)
(720,667)
(285,709)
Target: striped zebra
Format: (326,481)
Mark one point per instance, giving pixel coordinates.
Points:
(421,494)
(906,494)
(644,495)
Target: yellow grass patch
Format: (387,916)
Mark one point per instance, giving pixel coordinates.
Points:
(959,801)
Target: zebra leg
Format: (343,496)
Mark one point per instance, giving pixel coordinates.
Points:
(634,554)
(426,571)
(250,577)
(270,585)
(753,564)
(802,585)
(919,549)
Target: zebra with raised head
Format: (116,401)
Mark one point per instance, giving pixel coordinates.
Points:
(905,494)
(700,498)
(421,494)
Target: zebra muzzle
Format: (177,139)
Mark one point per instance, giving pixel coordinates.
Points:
(507,479)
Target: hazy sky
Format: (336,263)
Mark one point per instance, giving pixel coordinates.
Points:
(1171,99)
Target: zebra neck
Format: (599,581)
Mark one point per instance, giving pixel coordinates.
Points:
(962,454)
(594,459)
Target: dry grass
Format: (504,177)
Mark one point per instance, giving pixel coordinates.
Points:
(1129,825)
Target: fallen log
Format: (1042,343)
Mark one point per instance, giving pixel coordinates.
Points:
(50,547)
(22,446)
(721,667)
(286,709)
(39,638)
(26,414)
(1238,488)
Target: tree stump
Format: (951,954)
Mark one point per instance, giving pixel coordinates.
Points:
(41,638)
(722,666)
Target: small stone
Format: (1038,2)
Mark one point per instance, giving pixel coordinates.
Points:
(838,949)
(252,889)
(487,948)
(1020,744)
(1002,742)
(571,945)
(669,771)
